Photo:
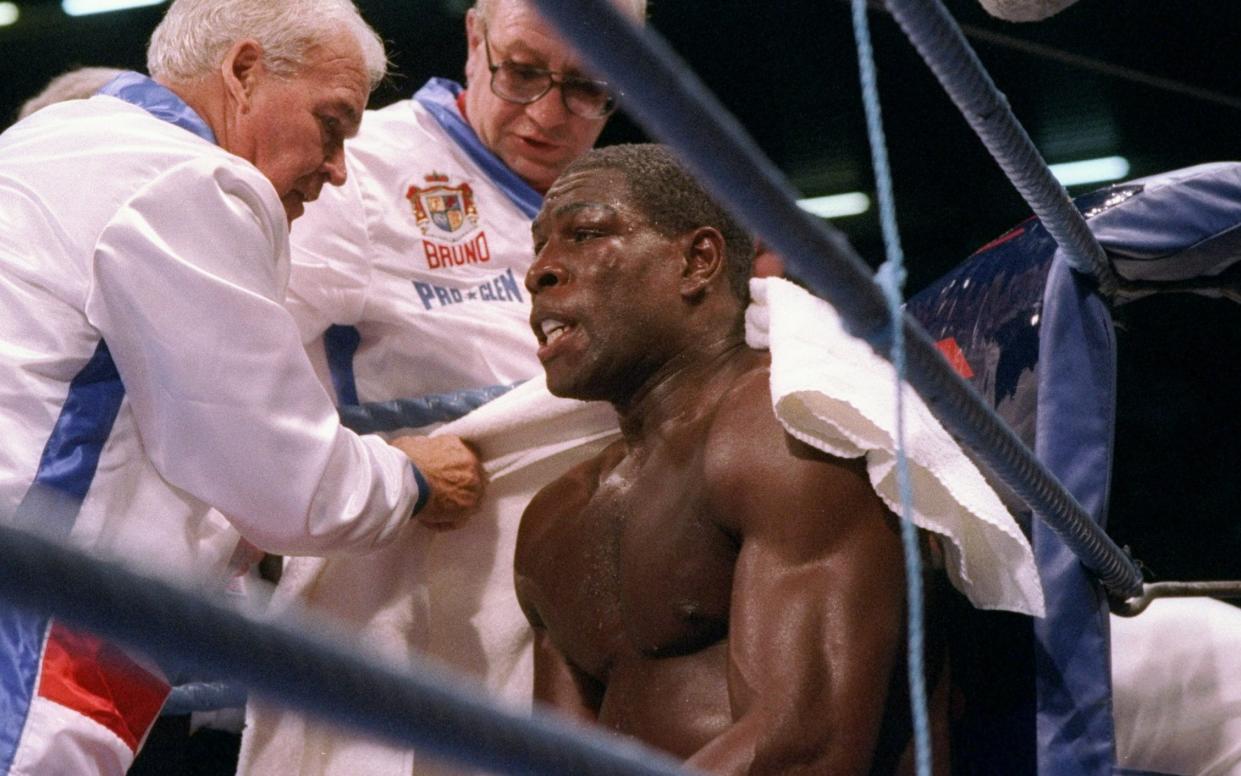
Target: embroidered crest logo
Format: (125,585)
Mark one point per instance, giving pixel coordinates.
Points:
(442,207)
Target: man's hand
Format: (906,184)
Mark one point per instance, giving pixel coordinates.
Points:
(452,470)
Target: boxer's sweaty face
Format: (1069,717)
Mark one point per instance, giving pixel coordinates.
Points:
(604,288)
(298,124)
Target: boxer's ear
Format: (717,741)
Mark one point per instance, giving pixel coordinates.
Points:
(704,261)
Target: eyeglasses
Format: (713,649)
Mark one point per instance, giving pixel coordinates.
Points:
(524,84)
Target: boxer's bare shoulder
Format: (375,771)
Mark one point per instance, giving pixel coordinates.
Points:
(752,461)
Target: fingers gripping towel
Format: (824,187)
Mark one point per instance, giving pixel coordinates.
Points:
(831,391)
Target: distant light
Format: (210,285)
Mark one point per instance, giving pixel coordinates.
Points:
(836,205)
(85,7)
(1108,168)
(8,14)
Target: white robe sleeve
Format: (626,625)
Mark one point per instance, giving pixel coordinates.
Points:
(185,289)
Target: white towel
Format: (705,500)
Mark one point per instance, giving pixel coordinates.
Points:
(831,391)
(450,595)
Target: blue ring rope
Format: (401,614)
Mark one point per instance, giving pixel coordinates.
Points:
(891,277)
(942,45)
(203,696)
(663,94)
(425,708)
(378,416)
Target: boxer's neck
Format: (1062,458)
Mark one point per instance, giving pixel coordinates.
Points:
(686,387)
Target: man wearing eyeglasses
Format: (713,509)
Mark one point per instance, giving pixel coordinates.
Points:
(407,283)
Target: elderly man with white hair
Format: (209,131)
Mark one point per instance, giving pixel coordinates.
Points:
(157,406)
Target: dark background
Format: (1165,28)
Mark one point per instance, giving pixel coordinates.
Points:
(1085,83)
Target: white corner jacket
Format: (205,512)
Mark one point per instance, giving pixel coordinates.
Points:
(148,370)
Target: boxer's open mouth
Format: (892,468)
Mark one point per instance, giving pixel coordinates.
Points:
(551,333)
(553,329)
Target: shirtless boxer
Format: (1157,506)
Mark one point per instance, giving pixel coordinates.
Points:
(707,584)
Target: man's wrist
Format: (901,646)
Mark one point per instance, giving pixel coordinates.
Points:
(424,489)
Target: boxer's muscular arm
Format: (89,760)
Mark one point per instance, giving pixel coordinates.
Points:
(817,602)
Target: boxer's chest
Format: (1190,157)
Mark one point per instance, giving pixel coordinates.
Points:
(656,569)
